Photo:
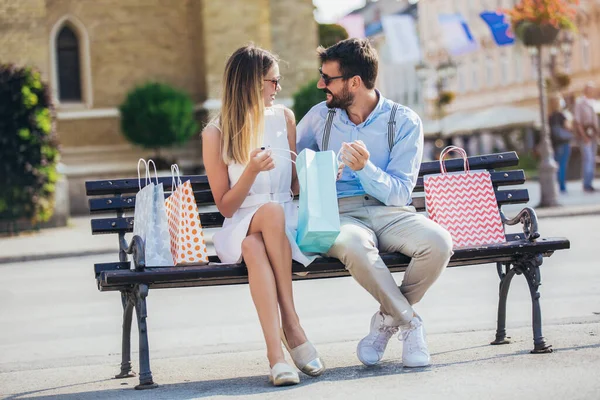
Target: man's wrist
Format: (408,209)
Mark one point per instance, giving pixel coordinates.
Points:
(368,170)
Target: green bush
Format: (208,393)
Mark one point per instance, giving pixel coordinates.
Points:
(309,95)
(306,97)
(330,34)
(157,115)
(28,146)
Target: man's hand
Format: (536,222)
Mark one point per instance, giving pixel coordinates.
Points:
(355,155)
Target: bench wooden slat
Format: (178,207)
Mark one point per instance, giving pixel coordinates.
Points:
(200,182)
(122,186)
(127,203)
(486,161)
(111,266)
(204,197)
(204,275)
(215,219)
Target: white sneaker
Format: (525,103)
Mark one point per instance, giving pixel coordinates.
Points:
(414,352)
(371,348)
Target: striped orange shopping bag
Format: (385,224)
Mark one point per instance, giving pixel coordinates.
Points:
(187,238)
(464,204)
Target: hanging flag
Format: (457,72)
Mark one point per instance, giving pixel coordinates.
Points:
(499,27)
(456,34)
(401,38)
(354,25)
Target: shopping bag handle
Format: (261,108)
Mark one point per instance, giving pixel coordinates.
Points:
(455,149)
(281,149)
(141,160)
(175,176)
(147,174)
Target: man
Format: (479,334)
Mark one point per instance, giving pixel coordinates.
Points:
(381,146)
(587,131)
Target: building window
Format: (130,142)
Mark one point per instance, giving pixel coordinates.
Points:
(68,65)
(489,71)
(503,68)
(585,53)
(474,75)
(518,65)
(460,79)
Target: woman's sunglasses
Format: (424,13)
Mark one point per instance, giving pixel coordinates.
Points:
(275,81)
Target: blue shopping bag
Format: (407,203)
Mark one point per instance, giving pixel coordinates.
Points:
(318,215)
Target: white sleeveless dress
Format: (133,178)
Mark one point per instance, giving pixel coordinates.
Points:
(269,186)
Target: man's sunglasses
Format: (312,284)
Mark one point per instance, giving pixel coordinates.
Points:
(275,81)
(327,79)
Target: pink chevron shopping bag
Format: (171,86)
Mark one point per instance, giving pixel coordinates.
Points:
(464,203)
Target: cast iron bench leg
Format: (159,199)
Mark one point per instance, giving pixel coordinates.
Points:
(530,267)
(128,304)
(141,292)
(505,279)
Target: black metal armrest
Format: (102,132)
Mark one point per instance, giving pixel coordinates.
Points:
(136,248)
(528,218)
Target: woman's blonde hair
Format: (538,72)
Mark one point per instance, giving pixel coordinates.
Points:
(242,111)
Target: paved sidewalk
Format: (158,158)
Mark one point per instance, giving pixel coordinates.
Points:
(76,239)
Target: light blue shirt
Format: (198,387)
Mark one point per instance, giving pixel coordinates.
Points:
(388,176)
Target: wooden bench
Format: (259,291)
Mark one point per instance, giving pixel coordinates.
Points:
(522,253)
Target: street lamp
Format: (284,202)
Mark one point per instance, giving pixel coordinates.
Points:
(442,72)
(564,45)
(547,167)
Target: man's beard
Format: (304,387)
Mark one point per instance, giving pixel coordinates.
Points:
(343,100)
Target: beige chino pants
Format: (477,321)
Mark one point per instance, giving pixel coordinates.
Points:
(368,227)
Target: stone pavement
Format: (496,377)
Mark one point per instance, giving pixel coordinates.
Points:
(76,238)
(60,338)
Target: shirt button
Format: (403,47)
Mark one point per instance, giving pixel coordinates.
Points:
(366,197)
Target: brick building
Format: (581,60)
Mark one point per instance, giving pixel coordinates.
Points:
(93,51)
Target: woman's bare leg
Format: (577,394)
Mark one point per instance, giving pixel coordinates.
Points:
(269,221)
(264,294)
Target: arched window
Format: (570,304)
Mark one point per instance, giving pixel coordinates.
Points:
(68,65)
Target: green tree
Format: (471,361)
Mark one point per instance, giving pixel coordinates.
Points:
(309,95)
(156,115)
(28,146)
(330,34)
(306,97)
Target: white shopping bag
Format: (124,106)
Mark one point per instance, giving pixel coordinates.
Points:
(150,220)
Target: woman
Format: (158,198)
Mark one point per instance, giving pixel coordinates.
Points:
(561,138)
(247,152)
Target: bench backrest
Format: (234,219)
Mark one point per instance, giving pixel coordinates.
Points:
(118,195)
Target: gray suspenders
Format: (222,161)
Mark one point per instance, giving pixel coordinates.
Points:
(391,127)
(327,130)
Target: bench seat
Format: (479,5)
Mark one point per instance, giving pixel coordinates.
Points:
(522,254)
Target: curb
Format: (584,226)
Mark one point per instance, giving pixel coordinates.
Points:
(54,256)
(542,213)
(567,211)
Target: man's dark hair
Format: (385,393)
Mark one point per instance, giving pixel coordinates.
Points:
(356,57)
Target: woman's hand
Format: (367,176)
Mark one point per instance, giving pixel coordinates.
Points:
(260,160)
(340,170)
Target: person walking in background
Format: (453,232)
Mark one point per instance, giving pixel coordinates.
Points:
(587,130)
(560,129)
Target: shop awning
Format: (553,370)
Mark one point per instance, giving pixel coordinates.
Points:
(493,118)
